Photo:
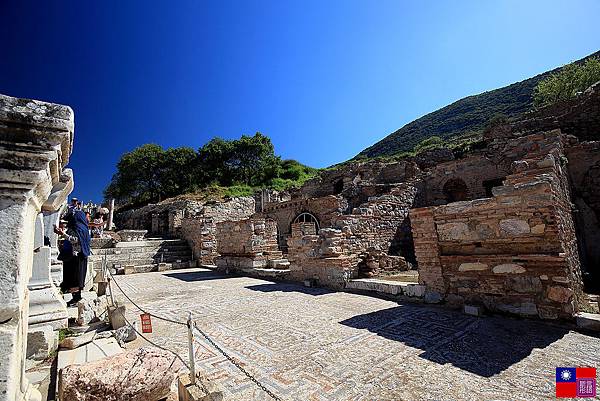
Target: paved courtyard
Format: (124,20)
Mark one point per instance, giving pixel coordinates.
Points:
(313,344)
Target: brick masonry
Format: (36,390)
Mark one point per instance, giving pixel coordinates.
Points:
(514,252)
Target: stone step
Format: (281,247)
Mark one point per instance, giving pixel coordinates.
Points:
(387,287)
(157,267)
(90,352)
(145,259)
(121,251)
(588,321)
(151,243)
(261,272)
(278,264)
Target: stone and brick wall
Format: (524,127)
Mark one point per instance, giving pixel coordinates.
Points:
(324,257)
(325,209)
(199,227)
(381,223)
(515,252)
(248,243)
(163,219)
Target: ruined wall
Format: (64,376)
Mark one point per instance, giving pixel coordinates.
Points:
(344,179)
(579,116)
(200,228)
(324,257)
(515,252)
(381,223)
(246,243)
(36,139)
(325,209)
(584,173)
(163,219)
(475,173)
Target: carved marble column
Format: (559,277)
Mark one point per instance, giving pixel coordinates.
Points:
(35,144)
(46,305)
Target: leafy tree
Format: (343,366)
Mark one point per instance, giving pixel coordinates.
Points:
(149,173)
(177,169)
(249,160)
(138,175)
(565,84)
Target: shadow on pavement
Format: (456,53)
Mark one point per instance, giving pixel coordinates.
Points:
(483,346)
(289,287)
(201,275)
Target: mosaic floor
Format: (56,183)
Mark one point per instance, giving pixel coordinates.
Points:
(313,344)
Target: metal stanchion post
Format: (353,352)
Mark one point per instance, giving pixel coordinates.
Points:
(190,324)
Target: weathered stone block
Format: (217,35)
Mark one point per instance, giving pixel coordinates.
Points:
(41,341)
(508,268)
(467,267)
(432,297)
(559,294)
(523,284)
(143,374)
(414,290)
(455,232)
(514,227)
(203,390)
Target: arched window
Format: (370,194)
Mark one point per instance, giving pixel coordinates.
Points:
(455,190)
(306,217)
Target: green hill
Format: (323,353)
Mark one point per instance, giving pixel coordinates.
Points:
(465,116)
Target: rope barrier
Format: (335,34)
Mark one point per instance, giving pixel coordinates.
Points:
(236,364)
(139,307)
(146,338)
(191,326)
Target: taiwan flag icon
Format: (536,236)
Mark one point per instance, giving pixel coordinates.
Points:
(575,382)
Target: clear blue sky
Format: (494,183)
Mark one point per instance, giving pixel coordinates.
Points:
(324,79)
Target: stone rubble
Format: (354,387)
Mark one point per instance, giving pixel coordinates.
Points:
(142,374)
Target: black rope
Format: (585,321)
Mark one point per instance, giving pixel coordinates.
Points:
(236,364)
(210,341)
(146,338)
(140,308)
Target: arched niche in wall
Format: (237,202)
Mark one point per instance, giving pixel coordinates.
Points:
(455,190)
(338,186)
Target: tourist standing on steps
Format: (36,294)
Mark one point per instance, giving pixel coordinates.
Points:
(78,234)
(98,224)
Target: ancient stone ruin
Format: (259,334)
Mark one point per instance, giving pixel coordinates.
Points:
(508,226)
(35,145)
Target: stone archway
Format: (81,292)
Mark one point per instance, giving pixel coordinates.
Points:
(306,217)
(455,190)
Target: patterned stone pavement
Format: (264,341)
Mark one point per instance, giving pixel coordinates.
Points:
(313,344)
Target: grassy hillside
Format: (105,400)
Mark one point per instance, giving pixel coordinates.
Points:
(465,116)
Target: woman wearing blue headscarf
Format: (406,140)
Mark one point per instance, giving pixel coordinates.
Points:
(78,235)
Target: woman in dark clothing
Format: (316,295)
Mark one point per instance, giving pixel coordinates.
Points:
(78,235)
(70,267)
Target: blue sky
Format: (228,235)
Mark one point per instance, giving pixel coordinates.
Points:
(324,79)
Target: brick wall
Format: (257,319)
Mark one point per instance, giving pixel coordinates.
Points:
(246,243)
(324,257)
(200,228)
(515,252)
(325,209)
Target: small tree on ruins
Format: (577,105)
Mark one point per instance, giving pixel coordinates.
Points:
(565,84)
